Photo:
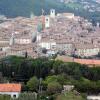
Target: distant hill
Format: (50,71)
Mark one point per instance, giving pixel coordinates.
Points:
(14,8)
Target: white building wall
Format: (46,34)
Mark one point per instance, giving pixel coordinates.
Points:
(87,52)
(23,41)
(5,49)
(4,41)
(69,15)
(47,22)
(93,97)
(12,94)
(38,37)
(52,13)
(47,45)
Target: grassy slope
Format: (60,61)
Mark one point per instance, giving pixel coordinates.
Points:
(69,96)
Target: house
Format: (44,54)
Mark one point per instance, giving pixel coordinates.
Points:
(11,89)
(80,61)
(69,15)
(48,44)
(86,50)
(2,54)
(88,61)
(68,87)
(4,47)
(93,97)
(65,58)
(23,40)
(63,45)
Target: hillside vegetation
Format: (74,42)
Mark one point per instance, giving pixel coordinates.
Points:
(53,75)
(14,8)
(70,96)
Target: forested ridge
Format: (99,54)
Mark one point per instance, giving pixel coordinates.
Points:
(14,8)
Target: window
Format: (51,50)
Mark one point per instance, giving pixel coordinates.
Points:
(0,49)
(46,19)
(14,96)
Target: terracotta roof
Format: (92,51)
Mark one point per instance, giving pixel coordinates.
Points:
(64,58)
(80,61)
(87,61)
(10,87)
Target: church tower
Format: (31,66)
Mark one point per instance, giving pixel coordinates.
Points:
(52,13)
(12,40)
(47,22)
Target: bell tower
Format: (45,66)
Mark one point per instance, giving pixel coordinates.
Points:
(47,22)
(52,13)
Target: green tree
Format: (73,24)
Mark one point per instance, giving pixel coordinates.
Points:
(33,84)
(51,79)
(54,87)
(40,27)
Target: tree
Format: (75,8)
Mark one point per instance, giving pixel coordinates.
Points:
(56,66)
(33,84)
(54,87)
(40,27)
(51,79)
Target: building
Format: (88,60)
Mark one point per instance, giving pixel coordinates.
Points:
(68,88)
(86,50)
(69,15)
(65,46)
(4,47)
(90,62)
(93,97)
(23,40)
(48,44)
(52,13)
(10,89)
(70,34)
(20,49)
(47,22)
(2,54)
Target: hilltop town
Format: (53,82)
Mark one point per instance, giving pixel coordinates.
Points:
(43,57)
(48,35)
